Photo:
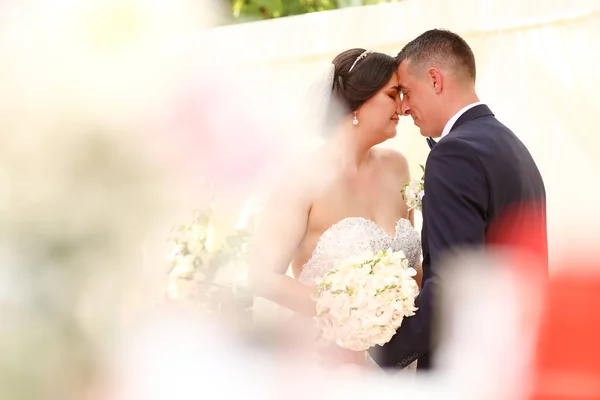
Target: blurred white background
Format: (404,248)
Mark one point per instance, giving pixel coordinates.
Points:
(118,117)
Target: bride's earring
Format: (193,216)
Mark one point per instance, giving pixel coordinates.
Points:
(355,120)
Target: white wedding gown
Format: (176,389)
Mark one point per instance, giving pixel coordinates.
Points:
(355,235)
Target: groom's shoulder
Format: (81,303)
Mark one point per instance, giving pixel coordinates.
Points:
(481,129)
(480,135)
(459,139)
(473,134)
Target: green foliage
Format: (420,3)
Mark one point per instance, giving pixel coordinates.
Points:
(248,10)
(266,9)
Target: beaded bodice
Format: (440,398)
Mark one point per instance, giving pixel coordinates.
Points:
(355,235)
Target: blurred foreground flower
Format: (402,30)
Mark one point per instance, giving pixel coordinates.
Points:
(208,273)
(229,141)
(80,180)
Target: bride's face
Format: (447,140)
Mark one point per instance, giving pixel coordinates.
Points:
(379,115)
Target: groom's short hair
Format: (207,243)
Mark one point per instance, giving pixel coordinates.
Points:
(441,48)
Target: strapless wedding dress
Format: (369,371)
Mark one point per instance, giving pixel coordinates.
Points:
(355,235)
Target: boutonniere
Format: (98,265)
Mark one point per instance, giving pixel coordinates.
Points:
(413,192)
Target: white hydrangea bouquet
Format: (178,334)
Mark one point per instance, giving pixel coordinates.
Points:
(362,301)
(413,192)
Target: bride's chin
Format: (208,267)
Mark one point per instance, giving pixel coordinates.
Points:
(385,136)
(390,135)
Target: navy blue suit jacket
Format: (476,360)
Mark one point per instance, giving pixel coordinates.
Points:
(482,187)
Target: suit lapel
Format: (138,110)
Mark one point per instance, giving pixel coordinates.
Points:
(471,114)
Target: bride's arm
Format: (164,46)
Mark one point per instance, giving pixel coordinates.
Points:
(281,230)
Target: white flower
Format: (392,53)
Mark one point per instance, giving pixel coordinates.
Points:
(364,298)
(195,245)
(413,193)
(185,270)
(177,252)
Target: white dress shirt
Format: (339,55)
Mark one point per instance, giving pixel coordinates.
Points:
(456,116)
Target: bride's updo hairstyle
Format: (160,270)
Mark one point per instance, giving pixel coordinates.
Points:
(356,79)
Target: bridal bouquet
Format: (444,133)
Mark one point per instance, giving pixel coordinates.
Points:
(413,193)
(362,301)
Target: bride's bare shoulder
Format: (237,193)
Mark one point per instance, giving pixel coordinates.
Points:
(392,159)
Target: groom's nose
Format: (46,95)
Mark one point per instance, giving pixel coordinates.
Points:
(404,108)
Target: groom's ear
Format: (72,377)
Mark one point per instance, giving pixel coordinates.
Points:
(436,80)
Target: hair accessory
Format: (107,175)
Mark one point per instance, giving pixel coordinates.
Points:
(363,55)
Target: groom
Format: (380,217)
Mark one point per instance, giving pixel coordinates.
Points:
(482,187)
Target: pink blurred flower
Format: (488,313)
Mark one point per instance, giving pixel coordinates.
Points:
(210,130)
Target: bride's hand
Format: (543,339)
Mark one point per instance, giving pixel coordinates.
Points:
(336,356)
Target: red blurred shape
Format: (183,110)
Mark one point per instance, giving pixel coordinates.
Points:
(522,227)
(567,359)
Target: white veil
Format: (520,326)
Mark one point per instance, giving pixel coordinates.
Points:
(318,100)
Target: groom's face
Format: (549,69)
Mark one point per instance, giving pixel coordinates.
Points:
(419,100)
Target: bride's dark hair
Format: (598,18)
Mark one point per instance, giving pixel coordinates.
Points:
(351,89)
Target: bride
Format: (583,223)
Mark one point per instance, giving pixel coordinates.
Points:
(346,198)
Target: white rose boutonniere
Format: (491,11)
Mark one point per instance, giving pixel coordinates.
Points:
(413,192)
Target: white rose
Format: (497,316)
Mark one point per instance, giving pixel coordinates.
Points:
(184,270)
(355,344)
(381,335)
(337,309)
(382,314)
(356,323)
